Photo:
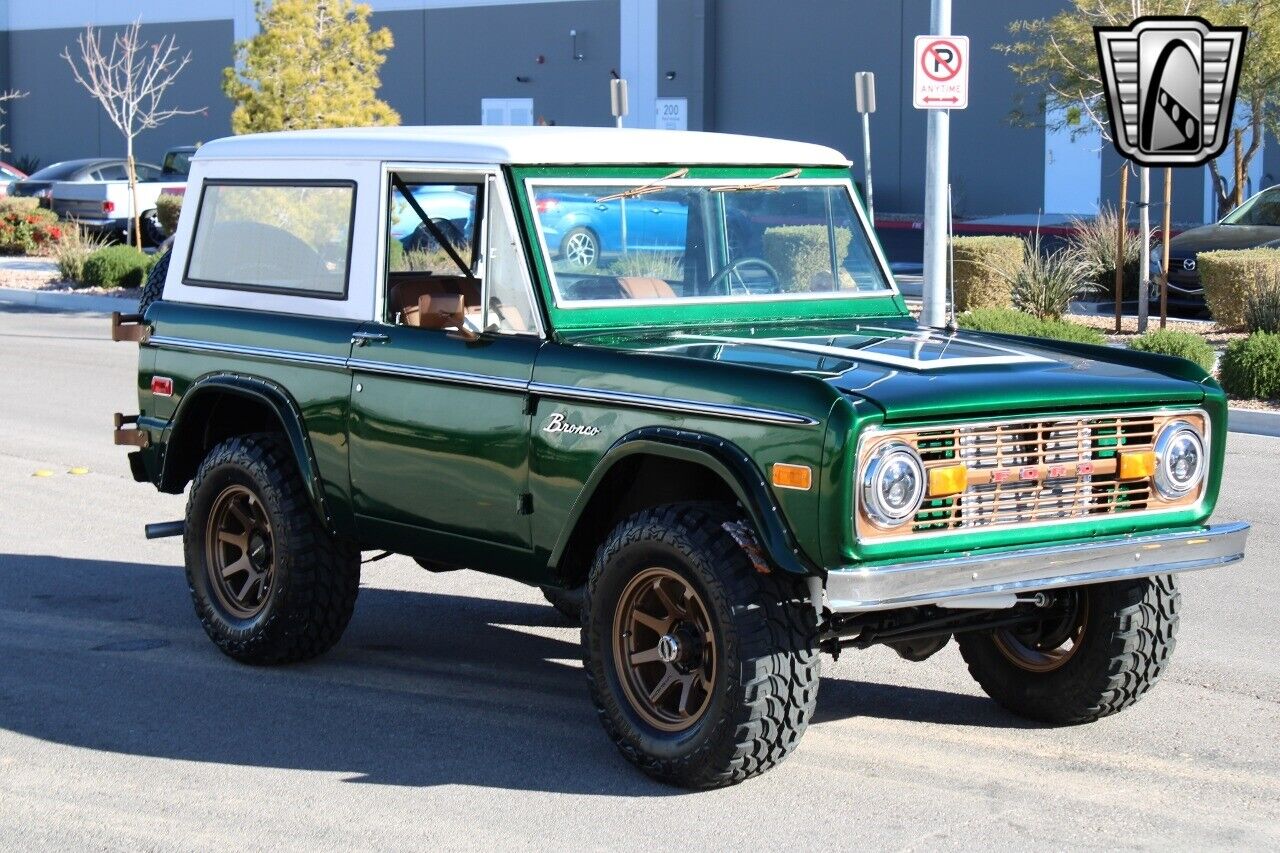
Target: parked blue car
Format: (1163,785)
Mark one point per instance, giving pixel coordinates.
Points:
(581,230)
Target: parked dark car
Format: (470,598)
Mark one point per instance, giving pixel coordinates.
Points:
(41,183)
(1254,223)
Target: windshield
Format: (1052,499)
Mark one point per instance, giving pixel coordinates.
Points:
(671,240)
(1262,209)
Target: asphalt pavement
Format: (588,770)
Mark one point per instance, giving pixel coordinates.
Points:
(454,713)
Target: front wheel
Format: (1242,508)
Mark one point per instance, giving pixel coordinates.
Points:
(580,247)
(1099,651)
(269,583)
(703,670)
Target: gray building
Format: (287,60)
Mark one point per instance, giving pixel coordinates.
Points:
(769,67)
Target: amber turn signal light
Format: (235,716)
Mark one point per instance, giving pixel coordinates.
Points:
(792,476)
(944,482)
(1137,465)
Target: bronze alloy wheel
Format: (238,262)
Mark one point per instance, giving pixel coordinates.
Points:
(1046,645)
(239,552)
(664,648)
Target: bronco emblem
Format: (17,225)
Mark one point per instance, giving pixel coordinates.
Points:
(558,423)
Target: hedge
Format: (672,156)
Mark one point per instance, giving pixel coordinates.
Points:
(117,266)
(1251,367)
(168,207)
(1186,345)
(1010,322)
(1230,276)
(984,267)
(802,256)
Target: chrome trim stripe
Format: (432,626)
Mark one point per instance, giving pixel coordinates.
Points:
(431,374)
(497,383)
(188,345)
(670,404)
(856,589)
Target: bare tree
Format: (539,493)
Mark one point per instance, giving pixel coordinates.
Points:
(129,82)
(5,97)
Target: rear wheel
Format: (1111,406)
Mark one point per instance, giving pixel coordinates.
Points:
(152,231)
(1102,649)
(269,583)
(704,671)
(580,247)
(154,285)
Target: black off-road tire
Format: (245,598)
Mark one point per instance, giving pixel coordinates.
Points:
(316,578)
(154,285)
(766,687)
(1128,638)
(567,602)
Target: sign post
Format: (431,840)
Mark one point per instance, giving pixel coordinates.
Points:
(618,99)
(941,84)
(864,92)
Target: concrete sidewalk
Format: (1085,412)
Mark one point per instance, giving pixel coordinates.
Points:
(90,303)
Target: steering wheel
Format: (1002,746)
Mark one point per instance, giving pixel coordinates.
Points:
(736,265)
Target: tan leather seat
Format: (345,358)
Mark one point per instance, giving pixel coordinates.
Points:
(637,287)
(402,298)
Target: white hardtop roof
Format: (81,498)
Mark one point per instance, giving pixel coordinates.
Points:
(525,146)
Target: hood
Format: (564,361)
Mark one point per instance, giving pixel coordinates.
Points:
(910,373)
(1207,238)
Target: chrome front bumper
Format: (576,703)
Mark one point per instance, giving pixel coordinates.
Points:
(997,580)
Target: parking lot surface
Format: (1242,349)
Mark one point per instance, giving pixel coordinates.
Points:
(454,712)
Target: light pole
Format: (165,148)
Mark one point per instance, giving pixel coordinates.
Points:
(864,91)
(937,147)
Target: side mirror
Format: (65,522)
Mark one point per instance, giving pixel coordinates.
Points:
(447,311)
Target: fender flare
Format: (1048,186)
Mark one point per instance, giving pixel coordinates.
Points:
(727,461)
(278,401)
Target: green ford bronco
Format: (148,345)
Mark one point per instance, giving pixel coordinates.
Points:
(668,378)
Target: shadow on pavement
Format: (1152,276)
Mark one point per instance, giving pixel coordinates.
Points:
(424,689)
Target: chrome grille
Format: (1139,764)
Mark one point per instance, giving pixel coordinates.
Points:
(1075,462)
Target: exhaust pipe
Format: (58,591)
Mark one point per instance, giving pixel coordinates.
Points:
(163,529)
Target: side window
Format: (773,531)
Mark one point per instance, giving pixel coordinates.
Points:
(147,173)
(510,308)
(113,173)
(292,238)
(451,211)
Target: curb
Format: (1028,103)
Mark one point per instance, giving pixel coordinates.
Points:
(1253,422)
(47,301)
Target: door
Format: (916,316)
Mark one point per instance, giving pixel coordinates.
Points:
(439,431)
(1072,168)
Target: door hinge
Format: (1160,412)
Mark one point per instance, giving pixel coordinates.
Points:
(524,504)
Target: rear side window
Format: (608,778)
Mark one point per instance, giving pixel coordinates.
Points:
(276,237)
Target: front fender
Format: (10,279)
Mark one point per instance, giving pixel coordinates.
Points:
(723,458)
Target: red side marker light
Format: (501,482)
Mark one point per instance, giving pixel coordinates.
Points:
(1084,469)
(162,386)
(1030,473)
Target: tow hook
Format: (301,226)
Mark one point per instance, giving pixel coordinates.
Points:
(132,437)
(163,529)
(129,327)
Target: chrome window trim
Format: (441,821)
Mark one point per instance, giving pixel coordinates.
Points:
(499,383)
(867,230)
(873,432)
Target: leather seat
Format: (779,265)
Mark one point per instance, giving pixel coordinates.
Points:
(638,287)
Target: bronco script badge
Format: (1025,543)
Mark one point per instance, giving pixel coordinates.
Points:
(558,423)
(1170,85)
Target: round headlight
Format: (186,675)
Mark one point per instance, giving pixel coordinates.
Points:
(893,485)
(1180,460)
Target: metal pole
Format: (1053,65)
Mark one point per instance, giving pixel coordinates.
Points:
(1164,251)
(1121,233)
(937,148)
(1144,262)
(866,166)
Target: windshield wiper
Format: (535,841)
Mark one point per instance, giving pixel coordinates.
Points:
(651,187)
(766,184)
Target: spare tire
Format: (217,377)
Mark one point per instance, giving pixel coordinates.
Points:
(154,285)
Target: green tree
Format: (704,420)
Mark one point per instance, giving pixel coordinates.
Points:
(1056,62)
(314,63)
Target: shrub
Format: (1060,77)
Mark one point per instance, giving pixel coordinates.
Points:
(74,249)
(664,265)
(1186,345)
(1094,242)
(26,230)
(1251,367)
(1046,285)
(802,256)
(21,203)
(1231,276)
(1262,307)
(116,266)
(983,266)
(1007,321)
(168,207)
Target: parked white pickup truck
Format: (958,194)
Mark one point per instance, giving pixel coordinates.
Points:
(102,202)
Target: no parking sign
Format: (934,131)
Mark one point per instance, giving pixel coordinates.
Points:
(941,73)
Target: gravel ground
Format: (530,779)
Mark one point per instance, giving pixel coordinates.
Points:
(42,274)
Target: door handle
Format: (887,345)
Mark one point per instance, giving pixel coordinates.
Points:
(361,338)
